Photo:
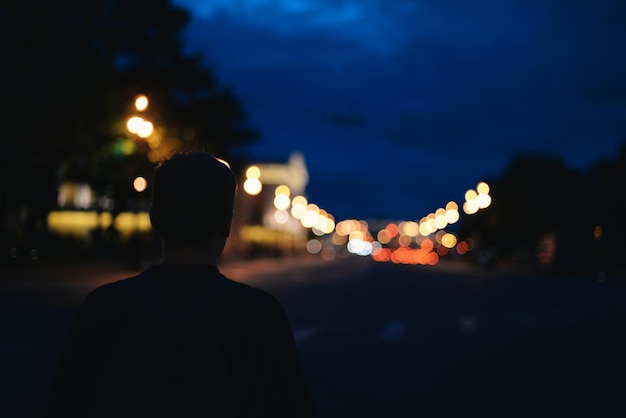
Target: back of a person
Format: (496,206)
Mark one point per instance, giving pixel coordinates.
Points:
(192,206)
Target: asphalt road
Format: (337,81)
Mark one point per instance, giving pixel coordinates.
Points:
(381,340)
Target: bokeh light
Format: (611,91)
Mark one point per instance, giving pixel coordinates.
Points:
(252,186)
(145,129)
(449,240)
(383,236)
(253,172)
(282,201)
(309,219)
(298,206)
(483,200)
(134,124)
(141,102)
(282,190)
(482,188)
(314,246)
(281,216)
(470,195)
(140,184)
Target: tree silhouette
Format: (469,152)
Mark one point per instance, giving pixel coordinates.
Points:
(72,69)
(607,200)
(536,196)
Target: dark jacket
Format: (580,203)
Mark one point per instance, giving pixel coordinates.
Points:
(250,325)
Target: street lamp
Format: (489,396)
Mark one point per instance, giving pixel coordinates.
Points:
(138,125)
(253,185)
(141,102)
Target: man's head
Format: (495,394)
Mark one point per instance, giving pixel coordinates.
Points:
(193,198)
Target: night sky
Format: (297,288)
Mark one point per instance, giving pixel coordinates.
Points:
(400,106)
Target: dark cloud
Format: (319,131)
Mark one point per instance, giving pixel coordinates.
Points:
(400,106)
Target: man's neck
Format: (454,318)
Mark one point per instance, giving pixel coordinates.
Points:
(189,255)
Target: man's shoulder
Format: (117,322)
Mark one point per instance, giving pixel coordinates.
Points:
(110,290)
(253,302)
(107,296)
(247,293)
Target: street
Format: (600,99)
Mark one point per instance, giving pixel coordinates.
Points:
(382,339)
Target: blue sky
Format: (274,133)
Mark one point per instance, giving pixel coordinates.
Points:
(400,106)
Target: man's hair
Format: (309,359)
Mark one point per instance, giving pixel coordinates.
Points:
(192,198)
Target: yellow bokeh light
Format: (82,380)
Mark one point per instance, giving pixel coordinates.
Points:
(425,229)
(357,235)
(140,184)
(483,200)
(452,206)
(312,207)
(470,207)
(252,186)
(128,147)
(134,124)
(326,224)
(411,228)
(309,219)
(299,200)
(440,221)
(452,216)
(154,141)
(281,201)
(298,211)
(253,172)
(449,240)
(282,190)
(141,102)
(145,129)
(482,187)
(298,206)
(470,195)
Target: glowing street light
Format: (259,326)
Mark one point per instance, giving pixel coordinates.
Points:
(298,206)
(140,127)
(141,102)
(134,124)
(140,184)
(252,185)
(477,199)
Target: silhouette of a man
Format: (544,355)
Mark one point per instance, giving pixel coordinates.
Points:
(192,208)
